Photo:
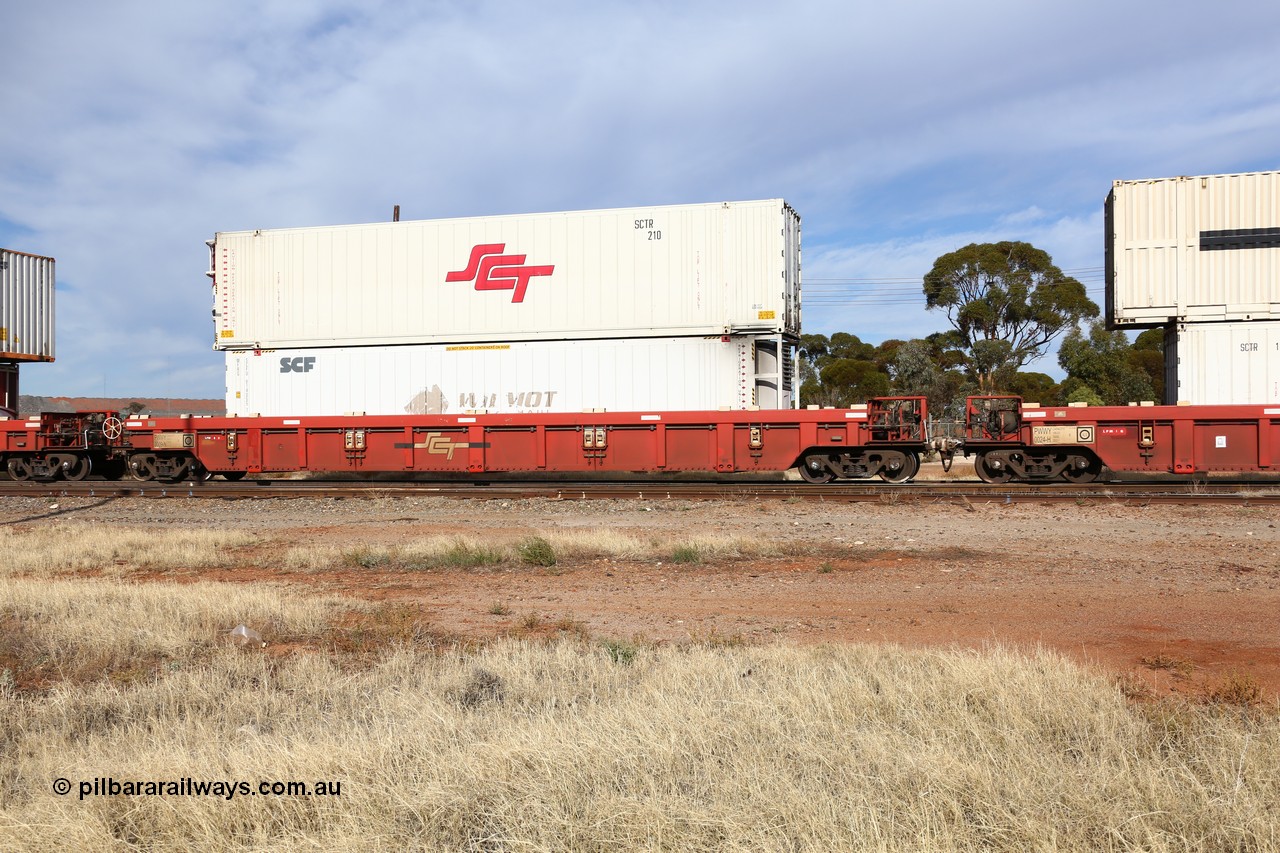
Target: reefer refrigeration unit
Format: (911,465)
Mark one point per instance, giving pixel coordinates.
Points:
(1193,249)
(1222,363)
(661,374)
(689,270)
(26,307)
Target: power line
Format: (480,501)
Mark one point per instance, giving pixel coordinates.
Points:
(895,291)
(1096,273)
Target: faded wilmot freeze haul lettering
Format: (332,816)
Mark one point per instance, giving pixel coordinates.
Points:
(434,401)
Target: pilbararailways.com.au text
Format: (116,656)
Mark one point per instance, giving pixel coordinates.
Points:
(228,789)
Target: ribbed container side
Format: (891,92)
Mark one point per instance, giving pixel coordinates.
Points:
(1193,249)
(1222,363)
(666,374)
(729,268)
(26,306)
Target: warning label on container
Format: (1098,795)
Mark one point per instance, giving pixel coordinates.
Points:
(766,315)
(1062,434)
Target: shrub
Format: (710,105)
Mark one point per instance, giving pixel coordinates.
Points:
(536,551)
(620,651)
(463,555)
(686,554)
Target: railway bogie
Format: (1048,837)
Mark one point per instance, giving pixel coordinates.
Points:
(1026,464)
(820,465)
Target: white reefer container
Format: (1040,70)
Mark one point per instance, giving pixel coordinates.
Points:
(704,269)
(26,307)
(667,374)
(1193,249)
(1222,363)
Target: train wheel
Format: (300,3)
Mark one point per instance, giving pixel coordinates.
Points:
(909,468)
(233,476)
(991,470)
(19,468)
(815,469)
(1086,474)
(77,468)
(142,466)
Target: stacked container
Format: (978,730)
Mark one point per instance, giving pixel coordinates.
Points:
(1223,363)
(26,307)
(26,319)
(1200,256)
(685,307)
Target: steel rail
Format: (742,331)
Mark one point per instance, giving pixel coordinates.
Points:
(970,492)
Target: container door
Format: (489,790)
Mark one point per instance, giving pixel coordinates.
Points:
(791,270)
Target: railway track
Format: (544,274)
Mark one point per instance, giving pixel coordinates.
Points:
(957,491)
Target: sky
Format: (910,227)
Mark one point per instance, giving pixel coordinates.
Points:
(132,132)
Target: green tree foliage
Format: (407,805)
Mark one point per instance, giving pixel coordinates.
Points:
(1084,394)
(920,368)
(842,370)
(1151,340)
(1147,355)
(1006,302)
(1102,364)
(1036,388)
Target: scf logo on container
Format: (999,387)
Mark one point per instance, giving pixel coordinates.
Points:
(300,364)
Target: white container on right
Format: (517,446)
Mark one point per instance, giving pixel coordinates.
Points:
(1193,249)
(1222,363)
(26,307)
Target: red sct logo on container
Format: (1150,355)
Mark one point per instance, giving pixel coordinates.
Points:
(490,269)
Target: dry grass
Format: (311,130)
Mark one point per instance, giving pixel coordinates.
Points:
(84,630)
(582,745)
(545,550)
(52,549)
(577,744)
(1175,665)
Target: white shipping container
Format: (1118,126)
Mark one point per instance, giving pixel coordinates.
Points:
(1193,249)
(26,307)
(706,269)
(668,374)
(1222,363)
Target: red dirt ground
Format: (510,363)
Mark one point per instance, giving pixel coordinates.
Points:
(1183,598)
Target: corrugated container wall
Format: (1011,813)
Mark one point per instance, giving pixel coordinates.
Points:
(1222,363)
(1193,249)
(667,374)
(709,269)
(26,307)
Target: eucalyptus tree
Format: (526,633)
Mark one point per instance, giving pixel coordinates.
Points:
(1006,302)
